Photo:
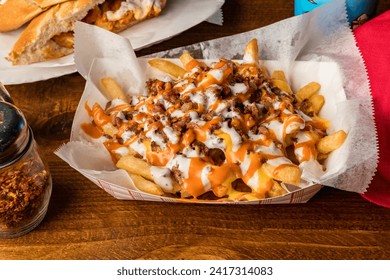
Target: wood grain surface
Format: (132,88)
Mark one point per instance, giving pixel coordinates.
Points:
(84,222)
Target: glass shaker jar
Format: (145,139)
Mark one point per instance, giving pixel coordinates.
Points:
(25,181)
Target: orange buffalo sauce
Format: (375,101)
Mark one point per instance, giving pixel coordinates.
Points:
(194,184)
(289,122)
(188,137)
(307,150)
(99,115)
(219,174)
(201,132)
(112,147)
(162,157)
(92,130)
(192,64)
(254,165)
(249,121)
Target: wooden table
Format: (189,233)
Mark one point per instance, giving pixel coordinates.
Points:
(84,222)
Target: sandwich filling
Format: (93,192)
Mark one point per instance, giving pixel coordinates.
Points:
(50,34)
(115,16)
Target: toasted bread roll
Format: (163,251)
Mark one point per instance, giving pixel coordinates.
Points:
(50,34)
(36,44)
(15,13)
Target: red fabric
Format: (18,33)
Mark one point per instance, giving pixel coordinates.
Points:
(373,40)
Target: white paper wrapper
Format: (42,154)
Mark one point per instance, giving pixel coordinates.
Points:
(177,16)
(317,46)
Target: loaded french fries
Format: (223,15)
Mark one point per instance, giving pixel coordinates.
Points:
(224,131)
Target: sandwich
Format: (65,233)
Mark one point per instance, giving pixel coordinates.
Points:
(15,13)
(50,34)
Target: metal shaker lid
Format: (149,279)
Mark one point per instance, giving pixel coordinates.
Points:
(14,133)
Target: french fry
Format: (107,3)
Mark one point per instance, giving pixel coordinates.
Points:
(145,185)
(320,123)
(135,166)
(111,89)
(100,119)
(189,62)
(109,129)
(287,173)
(331,142)
(224,188)
(316,102)
(251,52)
(307,91)
(276,190)
(283,85)
(322,157)
(278,75)
(119,155)
(279,80)
(167,67)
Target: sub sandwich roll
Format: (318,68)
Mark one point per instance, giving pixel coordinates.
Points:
(50,35)
(15,13)
(36,41)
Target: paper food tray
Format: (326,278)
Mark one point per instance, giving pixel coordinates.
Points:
(317,46)
(96,163)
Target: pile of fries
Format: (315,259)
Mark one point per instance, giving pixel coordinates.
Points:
(224,131)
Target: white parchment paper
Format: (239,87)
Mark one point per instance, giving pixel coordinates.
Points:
(315,46)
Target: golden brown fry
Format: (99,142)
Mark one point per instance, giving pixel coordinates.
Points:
(316,102)
(117,155)
(186,58)
(278,75)
(276,190)
(279,80)
(135,166)
(109,129)
(287,173)
(320,123)
(111,89)
(283,85)
(322,157)
(189,62)
(307,91)
(224,188)
(145,185)
(167,67)
(331,142)
(251,52)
